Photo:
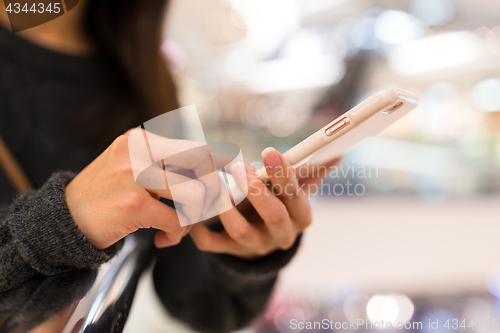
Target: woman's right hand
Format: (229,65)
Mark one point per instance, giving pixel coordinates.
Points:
(107,204)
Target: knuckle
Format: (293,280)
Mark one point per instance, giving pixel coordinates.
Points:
(175,234)
(292,189)
(242,233)
(254,186)
(120,143)
(134,200)
(122,169)
(175,229)
(119,147)
(263,250)
(279,217)
(287,242)
(307,220)
(288,175)
(202,244)
(198,191)
(176,239)
(127,133)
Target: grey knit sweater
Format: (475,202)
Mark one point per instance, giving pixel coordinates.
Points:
(41,94)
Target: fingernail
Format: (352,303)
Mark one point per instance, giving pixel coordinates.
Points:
(238,170)
(272,159)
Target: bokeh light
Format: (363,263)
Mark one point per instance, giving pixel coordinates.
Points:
(382,308)
(432,12)
(438,104)
(355,306)
(305,45)
(221,29)
(406,308)
(397,27)
(282,122)
(204,86)
(240,64)
(437,52)
(267,22)
(486,95)
(393,309)
(176,55)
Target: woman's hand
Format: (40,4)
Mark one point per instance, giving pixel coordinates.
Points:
(270,218)
(107,204)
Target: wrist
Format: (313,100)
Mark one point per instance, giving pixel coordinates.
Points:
(74,199)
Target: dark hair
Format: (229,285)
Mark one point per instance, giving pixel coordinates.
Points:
(127,35)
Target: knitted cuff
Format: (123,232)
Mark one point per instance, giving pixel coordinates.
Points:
(45,233)
(263,269)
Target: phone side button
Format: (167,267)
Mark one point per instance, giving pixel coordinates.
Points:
(336,127)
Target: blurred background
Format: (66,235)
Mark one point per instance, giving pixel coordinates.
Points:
(422,241)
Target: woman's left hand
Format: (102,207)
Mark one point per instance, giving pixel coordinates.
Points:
(265,221)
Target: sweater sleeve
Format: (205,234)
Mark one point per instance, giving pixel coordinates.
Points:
(213,292)
(43,297)
(39,236)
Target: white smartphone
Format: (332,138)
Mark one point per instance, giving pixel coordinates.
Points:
(365,119)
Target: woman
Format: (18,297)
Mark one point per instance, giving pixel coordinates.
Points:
(68,89)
